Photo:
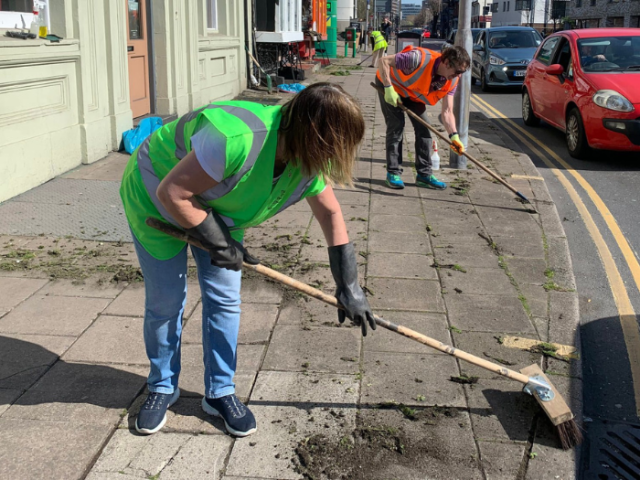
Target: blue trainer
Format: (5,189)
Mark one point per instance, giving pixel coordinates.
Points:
(237,417)
(430,182)
(153,413)
(394,181)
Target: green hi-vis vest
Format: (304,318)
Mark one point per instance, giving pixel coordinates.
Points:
(246,197)
(378,40)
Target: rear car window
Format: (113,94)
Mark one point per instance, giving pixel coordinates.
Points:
(514,39)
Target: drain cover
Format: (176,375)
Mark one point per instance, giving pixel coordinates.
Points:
(614,451)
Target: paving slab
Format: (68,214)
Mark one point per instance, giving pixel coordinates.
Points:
(500,410)
(64,317)
(501,461)
(439,445)
(24,358)
(529,270)
(256,324)
(537,299)
(516,246)
(313,349)
(467,256)
(394,243)
(111,339)
(430,324)
(477,281)
(15,290)
(397,207)
(68,451)
(288,408)
(411,379)
(80,394)
(489,313)
(397,223)
(7,397)
(70,288)
(306,312)
(401,266)
(401,294)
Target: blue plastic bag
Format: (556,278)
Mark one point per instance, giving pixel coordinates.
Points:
(134,137)
(291,87)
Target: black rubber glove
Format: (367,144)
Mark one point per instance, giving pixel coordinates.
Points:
(344,268)
(215,237)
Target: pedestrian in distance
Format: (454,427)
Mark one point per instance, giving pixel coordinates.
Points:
(417,77)
(215,172)
(379,44)
(385,29)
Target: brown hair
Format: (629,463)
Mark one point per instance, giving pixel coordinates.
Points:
(458,57)
(322,127)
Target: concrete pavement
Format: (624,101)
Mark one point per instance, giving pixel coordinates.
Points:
(468,266)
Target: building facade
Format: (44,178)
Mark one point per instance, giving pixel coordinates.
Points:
(67,103)
(481,14)
(604,13)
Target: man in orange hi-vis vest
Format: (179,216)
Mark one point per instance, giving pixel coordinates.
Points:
(417,77)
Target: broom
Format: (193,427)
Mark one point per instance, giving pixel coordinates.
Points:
(535,381)
(473,160)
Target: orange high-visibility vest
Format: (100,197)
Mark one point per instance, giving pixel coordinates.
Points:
(416,85)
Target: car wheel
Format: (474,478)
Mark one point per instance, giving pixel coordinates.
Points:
(483,81)
(528,117)
(576,137)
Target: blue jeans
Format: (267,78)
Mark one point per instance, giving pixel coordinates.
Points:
(165,283)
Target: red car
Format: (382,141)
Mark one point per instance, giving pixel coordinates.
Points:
(587,84)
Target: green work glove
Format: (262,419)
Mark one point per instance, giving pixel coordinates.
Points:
(391,96)
(456,144)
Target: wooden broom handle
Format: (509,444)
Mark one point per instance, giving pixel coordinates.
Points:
(448,142)
(333,301)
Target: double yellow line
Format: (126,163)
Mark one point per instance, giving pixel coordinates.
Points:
(626,312)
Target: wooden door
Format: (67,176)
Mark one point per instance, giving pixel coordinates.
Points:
(138,53)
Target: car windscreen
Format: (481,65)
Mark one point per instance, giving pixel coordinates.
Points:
(514,39)
(610,54)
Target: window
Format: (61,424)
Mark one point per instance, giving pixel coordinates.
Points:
(495,7)
(578,3)
(212,14)
(563,57)
(544,55)
(19,13)
(523,5)
(592,3)
(508,5)
(504,6)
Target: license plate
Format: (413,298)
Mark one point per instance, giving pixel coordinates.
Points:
(519,73)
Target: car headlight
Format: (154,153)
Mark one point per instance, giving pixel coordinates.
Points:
(612,100)
(493,60)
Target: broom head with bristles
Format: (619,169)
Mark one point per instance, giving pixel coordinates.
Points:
(558,411)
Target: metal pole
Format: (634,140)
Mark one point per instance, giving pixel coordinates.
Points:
(461,99)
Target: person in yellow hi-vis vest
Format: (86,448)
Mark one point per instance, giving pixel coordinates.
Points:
(379,45)
(215,172)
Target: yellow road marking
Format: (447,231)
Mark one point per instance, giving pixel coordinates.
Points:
(626,312)
(526,177)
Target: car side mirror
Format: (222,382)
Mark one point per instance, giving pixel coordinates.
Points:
(555,69)
(478,48)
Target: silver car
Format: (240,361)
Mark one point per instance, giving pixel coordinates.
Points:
(501,56)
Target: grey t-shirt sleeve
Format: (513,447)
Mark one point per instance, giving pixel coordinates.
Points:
(210,147)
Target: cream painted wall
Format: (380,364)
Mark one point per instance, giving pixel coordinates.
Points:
(65,104)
